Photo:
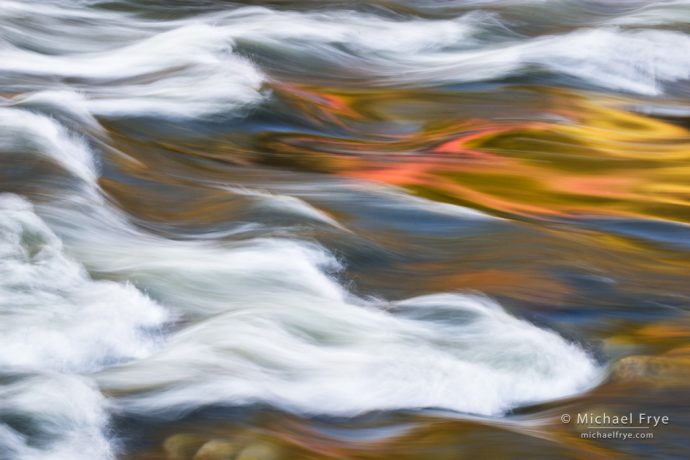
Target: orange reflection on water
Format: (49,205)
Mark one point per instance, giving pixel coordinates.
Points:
(588,155)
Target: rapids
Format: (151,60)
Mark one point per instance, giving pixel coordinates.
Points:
(208,205)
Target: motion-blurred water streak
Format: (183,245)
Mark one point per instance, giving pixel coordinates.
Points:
(355,229)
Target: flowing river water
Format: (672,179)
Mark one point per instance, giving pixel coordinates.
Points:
(410,229)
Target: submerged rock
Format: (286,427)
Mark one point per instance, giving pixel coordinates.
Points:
(182,446)
(259,452)
(217,449)
(665,369)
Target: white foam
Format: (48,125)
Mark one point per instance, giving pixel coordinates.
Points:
(64,105)
(35,26)
(267,320)
(54,316)
(357,33)
(633,61)
(395,51)
(275,328)
(433,52)
(670,12)
(25,132)
(286,204)
(271,324)
(188,68)
(196,278)
(66,412)
(316,355)
(186,72)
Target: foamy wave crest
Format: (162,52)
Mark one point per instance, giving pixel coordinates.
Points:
(473,47)
(178,70)
(268,321)
(265,319)
(270,326)
(313,354)
(52,417)
(54,316)
(195,66)
(25,132)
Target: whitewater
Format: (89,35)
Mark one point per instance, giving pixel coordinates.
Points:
(102,316)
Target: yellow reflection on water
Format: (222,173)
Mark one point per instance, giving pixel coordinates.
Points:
(587,155)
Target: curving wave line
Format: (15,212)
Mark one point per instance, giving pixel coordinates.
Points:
(266,319)
(196,66)
(68,415)
(54,316)
(268,322)
(312,354)
(455,51)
